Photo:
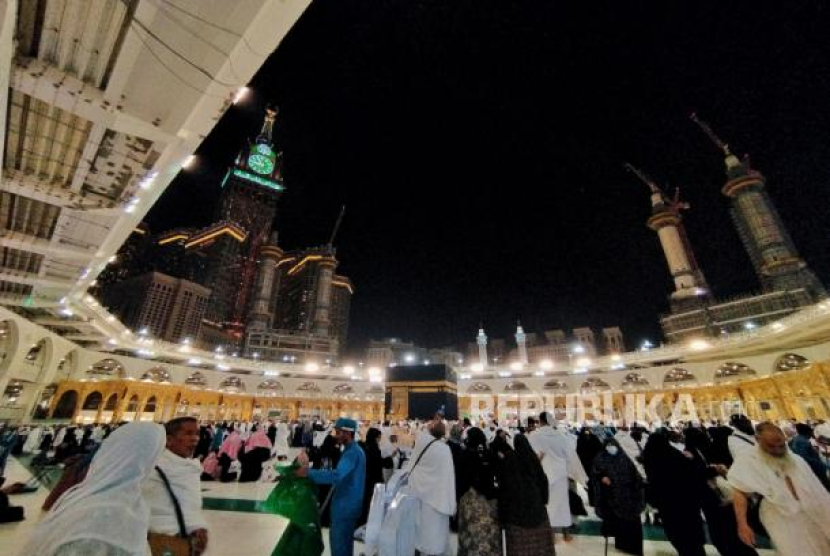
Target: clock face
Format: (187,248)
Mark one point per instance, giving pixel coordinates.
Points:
(261,164)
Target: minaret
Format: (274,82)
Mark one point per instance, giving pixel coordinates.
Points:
(482,348)
(690,288)
(325,275)
(269,255)
(771,250)
(521,342)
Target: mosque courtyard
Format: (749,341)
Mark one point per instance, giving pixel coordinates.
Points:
(237,528)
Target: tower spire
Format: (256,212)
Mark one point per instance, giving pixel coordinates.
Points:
(266,133)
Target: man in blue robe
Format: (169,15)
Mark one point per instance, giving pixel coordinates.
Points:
(348,480)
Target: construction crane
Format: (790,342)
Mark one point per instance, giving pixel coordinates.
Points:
(711,134)
(675,204)
(643,177)
(337,226)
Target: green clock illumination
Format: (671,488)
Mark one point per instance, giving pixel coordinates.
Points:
(261,160)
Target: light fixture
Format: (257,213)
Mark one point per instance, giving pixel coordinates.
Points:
(699,344)
(578,348)
(546,364)
(348,370)
(583,362)
(187,163)
(240,95)
(516,366)
(312,367)
(477,367)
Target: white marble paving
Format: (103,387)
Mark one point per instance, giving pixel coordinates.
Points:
(255,534)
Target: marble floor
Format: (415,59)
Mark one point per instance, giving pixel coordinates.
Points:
(236,529)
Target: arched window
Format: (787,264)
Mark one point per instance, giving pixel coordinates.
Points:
(112,403)
(791,362)
(555,386)
(132,405)
(343,390)
(516,386)
(66,405)
(479,388)
(196,380)
(308,389)
(733,371)
(107,368)
(156,374)
(150,406)
(93,401)
(678,376)
(269,388)
(232,385)
(634,381)
(594,385)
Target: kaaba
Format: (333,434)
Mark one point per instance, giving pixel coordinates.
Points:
(419,391)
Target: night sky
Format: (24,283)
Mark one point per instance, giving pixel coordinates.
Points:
(478,146)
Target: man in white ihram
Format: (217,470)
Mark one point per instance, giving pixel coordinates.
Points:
(183,472)
(432,483)
(560,462)
(795,509)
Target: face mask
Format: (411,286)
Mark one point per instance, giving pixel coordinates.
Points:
(612,450)
(679,445)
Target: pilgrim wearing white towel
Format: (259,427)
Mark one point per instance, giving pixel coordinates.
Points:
(432,482)
(184,475)
(560,462)
(105,515)
(795,509)
(281,447)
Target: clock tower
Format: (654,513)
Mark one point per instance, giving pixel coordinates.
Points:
(250,191)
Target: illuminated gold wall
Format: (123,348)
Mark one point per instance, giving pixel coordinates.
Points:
(129,400)
(798,395)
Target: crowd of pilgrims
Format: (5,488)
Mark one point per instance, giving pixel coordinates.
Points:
(524,480)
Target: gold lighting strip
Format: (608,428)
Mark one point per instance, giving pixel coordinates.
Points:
(172,238)
(343,285)
(234,233)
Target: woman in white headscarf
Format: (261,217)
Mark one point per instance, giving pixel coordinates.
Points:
(106,514)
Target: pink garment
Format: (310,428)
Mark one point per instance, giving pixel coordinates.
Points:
(211,465)
(231,445)
(258,440)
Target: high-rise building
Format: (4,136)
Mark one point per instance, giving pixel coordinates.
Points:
(205,256)
(131,259)
(298,299)
(305,298)
(250,191)
(169,308)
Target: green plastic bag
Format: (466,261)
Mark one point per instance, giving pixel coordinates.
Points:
(295,498)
